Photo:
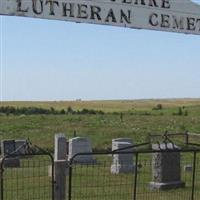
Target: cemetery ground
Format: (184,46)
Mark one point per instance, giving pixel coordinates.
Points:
(138,119)
(85,185)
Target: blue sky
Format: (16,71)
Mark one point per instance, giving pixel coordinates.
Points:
(55,60)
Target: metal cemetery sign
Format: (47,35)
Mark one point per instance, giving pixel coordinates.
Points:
(164,15)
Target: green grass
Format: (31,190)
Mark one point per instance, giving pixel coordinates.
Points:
(89,182)
(138,121)
(29,181)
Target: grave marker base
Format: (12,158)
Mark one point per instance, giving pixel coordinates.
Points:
(117,168)
(166,186)
(12,163)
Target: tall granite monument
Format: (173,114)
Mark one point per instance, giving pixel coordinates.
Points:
(166,167)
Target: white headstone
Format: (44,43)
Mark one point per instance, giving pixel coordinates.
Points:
(80,145)
(122,163)
(188,168)
(123,140)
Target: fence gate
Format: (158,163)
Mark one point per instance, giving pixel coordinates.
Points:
(163,174)
(197,178)
(185,171)
(27,175)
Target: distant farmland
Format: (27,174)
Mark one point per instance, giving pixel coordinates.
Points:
(107,105)
(121,118)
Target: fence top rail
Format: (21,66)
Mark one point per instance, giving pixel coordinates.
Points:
(194,134)
(170,134)
(139,151)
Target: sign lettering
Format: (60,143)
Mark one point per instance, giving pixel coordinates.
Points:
(164,15)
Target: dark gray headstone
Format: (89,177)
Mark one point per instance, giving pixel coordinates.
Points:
(11,163)
(7,147)
(166,167)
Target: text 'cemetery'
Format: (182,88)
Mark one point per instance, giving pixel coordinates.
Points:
(164,15)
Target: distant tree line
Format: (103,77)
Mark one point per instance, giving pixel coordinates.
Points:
(36,110)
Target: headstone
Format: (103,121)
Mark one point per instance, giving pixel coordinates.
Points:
(8,147)
(20,146)
(166,167)
(11,163)
(80,145)
(60,147)
(188,168)
(122,163)
(123,140)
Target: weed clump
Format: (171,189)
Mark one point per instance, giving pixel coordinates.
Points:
(158,107)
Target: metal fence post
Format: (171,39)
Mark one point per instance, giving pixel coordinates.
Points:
(186,138)
(194,174)
(1,177)
(135,179)
(70,182)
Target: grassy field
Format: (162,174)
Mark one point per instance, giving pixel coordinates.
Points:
(139,119)
(108,105)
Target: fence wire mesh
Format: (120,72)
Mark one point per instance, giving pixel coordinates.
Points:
(94,181)
(145,177)
(102,177)
(27,178)
(197,178)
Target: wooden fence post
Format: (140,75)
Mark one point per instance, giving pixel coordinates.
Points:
(60,167)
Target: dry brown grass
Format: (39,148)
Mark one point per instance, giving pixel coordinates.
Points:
(106,105)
